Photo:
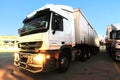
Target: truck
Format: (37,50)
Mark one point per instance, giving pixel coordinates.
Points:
(54,36)
(113,41)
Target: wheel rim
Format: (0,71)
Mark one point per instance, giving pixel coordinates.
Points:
(117,58)
(64,62)
(85,56)
(89,54)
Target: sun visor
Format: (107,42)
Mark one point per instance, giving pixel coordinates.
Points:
(36,14)
(60,10)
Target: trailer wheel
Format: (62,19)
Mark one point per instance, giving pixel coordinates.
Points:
(64,62)
(89,54)
(83,55)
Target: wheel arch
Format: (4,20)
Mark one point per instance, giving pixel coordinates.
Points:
(67,50)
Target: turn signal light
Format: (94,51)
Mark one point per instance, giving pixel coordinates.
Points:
(56,55)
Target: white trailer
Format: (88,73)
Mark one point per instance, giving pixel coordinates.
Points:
(52,37)
(84,32)
(113,41)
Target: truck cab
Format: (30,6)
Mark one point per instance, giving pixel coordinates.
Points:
(44,35)
(113,42)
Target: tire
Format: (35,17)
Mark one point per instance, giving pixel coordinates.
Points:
(64,62)
(83,55)
(89,54)
(116,57)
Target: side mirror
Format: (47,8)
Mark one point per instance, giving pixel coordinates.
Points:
(20,30)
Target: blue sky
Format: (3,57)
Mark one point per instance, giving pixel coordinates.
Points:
(99,13)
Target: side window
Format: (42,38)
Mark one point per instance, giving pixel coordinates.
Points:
(110,35)
(57,23)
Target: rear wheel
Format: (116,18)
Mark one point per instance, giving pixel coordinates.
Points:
(89,54)
(83,55)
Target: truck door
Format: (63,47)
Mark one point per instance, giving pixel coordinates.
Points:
(57,35)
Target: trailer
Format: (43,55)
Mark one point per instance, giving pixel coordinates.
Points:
(113,41)
(52,37)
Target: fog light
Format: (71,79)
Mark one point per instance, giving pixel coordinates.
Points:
(38,59)
(47,56)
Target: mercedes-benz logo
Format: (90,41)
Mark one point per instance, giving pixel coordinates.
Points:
(27,46)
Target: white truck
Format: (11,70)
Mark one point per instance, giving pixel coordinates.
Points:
(52,37)
(113,41)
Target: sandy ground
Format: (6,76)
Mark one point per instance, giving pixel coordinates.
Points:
(8,49)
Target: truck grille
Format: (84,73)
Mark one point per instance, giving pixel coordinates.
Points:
(30,46)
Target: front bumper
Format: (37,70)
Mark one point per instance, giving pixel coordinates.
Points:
(29,67)
(27,62)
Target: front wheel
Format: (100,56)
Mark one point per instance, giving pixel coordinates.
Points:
(117,56)
(64,62)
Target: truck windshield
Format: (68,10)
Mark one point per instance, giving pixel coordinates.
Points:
(117,34)
(37,25)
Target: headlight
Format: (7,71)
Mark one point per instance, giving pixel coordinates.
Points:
(38,59)
(16,57)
